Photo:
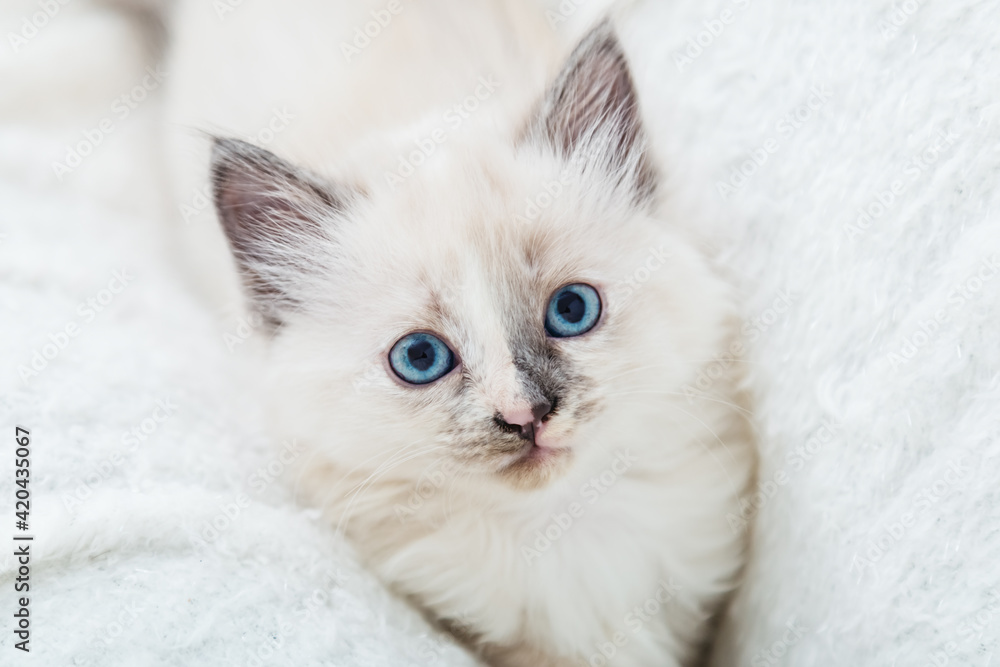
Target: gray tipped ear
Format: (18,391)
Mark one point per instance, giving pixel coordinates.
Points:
(276,218)
(590,114)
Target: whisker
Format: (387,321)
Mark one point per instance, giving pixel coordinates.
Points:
(701,395)
(732,484)
(346,514)
(646,367)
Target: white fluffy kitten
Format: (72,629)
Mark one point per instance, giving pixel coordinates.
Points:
(487,350)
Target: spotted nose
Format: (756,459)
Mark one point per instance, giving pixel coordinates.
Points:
(527,421)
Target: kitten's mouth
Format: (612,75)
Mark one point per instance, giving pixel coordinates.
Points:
(540,454)
(534,465)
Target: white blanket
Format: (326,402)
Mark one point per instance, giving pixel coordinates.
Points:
(851,151)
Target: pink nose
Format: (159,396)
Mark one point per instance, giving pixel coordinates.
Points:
(519,416)
(527,420)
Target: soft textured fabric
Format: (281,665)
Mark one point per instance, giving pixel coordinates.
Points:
(863,234)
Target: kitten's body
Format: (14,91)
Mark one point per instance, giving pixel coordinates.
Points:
(616,535)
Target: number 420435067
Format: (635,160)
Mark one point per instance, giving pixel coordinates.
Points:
(23,475)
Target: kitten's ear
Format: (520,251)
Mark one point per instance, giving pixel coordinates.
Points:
(276,219)
(590,114)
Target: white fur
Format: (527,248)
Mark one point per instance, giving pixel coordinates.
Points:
(463,552)
(454,233)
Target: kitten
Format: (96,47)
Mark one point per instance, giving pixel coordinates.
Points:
(488,354)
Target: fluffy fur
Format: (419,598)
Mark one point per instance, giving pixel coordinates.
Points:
(636,475)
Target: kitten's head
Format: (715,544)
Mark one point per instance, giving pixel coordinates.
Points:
(510,307)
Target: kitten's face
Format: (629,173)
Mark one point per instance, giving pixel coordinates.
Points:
(444,319)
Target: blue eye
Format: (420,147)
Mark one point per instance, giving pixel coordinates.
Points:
(419,358)
(573,310)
